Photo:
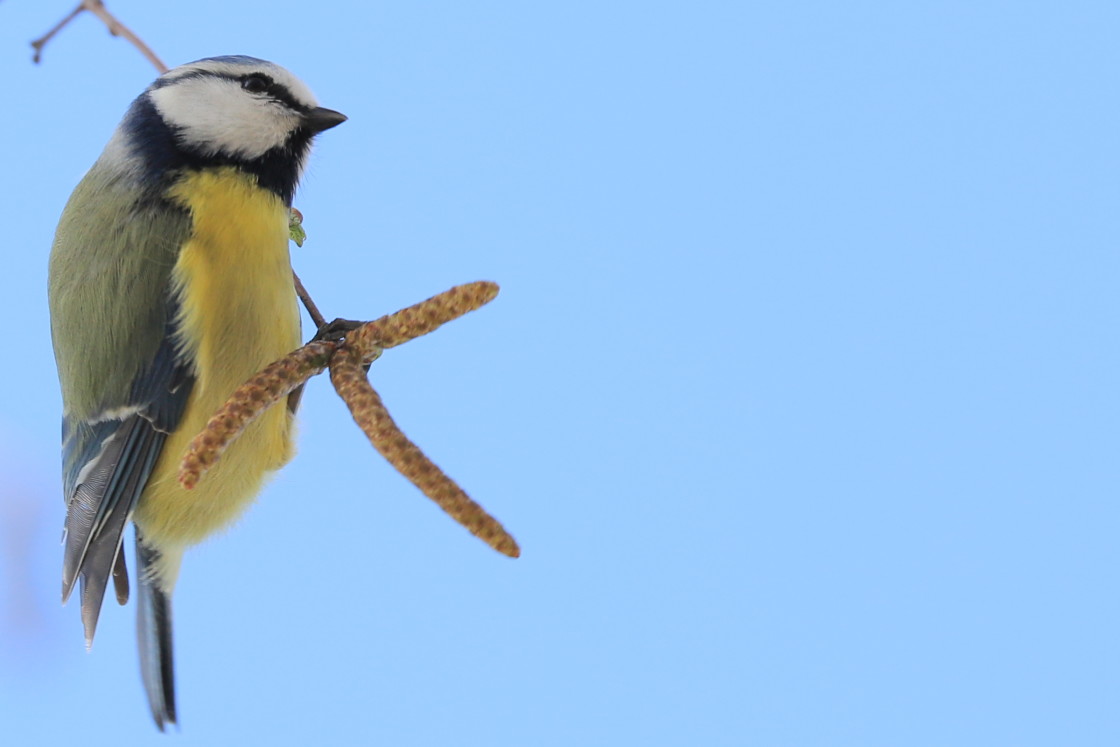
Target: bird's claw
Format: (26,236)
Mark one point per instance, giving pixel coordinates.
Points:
(336,331)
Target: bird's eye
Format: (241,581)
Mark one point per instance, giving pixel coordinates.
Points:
(256,83)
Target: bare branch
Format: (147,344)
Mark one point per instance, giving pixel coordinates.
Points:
(41,42)
(116,28)
(312,309)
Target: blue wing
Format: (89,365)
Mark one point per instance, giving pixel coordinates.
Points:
(106,464)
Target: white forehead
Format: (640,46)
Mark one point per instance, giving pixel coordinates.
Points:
(233,67)
(210,111)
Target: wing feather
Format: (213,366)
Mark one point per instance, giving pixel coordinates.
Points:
(106,466)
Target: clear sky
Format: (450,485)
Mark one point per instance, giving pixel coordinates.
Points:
(800,394)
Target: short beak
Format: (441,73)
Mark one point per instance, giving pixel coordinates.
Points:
(319,119)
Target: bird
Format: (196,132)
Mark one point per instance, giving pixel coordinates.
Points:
(170,283)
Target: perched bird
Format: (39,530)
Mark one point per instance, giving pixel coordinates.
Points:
(170,284)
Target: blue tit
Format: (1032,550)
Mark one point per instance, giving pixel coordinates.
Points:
(170,284)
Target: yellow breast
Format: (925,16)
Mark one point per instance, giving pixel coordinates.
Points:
(237,314)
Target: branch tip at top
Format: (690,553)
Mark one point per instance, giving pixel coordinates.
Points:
(115,27)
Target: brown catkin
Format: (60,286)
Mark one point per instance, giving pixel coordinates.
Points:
(406,457)
(420,319)
(247,403)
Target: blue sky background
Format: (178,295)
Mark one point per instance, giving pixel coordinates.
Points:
(800,394)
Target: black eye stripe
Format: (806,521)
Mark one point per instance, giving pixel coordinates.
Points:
(262,83)
(276,91)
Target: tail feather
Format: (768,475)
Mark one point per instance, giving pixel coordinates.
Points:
(153,633)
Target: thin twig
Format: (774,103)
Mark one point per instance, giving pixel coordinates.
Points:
(116,28)
(41,42)
(312,309)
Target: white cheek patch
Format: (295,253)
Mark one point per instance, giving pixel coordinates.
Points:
(214,115)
